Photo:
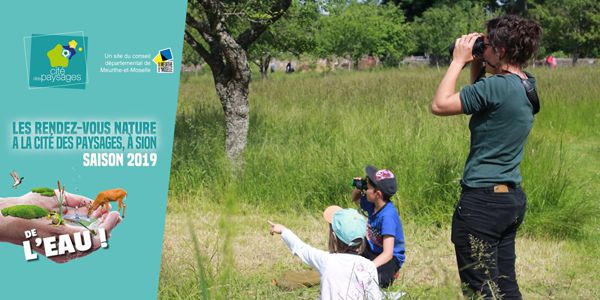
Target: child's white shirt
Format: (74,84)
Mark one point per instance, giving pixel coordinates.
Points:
(343,276)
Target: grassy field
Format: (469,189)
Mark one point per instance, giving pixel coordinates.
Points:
(311,133)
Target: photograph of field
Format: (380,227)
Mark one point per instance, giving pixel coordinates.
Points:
(310,133)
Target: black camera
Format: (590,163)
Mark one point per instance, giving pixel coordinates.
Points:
(478,48)
(360,183)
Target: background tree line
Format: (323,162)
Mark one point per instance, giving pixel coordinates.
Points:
(391,30)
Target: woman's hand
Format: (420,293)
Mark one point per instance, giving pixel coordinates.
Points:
(463,48)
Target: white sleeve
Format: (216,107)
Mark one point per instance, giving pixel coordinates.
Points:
(309,255)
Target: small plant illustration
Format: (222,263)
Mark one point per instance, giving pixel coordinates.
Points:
(57,219)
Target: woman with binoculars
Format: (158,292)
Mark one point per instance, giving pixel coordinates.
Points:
(502,107)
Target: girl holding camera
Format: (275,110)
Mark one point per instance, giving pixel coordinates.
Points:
(492,205)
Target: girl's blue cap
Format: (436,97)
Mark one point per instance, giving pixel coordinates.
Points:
(347,224)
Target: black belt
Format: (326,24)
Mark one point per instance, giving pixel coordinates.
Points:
(496,188)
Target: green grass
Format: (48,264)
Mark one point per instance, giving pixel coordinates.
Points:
(44,191)
(311,133)
(25,211)
(546,268)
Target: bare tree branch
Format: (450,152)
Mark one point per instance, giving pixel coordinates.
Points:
(217,35)
(246,38)
(202,27)
(213,13)
(212,57)
(228,48)
(197,46)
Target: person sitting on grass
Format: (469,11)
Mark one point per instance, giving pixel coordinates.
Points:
(384,234)
(344,273)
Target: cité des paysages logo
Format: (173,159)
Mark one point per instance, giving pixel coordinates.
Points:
(57,60)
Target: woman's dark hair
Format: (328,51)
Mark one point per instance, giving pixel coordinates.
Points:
(519,36)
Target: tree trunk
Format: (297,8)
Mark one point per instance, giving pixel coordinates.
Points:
(349,60)
(264,66)
(575,57)
(434,60)
(518,8)
(233,95)
(261,69)
(227,58)
(522,7)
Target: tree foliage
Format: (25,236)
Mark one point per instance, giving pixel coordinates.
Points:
(294,34)
(357,29)
(572,26)
(440,26)
(415,8)
(391,29)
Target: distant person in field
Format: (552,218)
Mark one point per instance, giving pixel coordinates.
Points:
(384,233)
(551,61)
(344,274)
(492,204)
(289,68)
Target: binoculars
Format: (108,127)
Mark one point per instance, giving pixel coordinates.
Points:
(360,184)
(478,47)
